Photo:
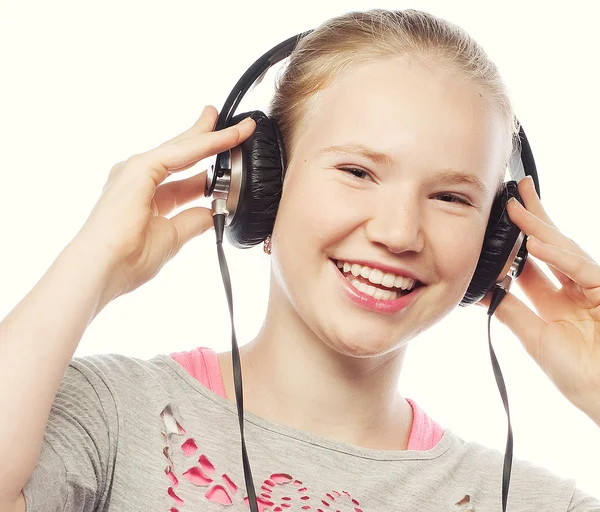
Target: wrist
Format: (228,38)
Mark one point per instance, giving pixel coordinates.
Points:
(95,264)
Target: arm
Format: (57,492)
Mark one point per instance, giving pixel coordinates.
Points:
(37,341)
(123,244)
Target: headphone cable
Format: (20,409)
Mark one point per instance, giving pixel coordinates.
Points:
(500,291)
(219,214)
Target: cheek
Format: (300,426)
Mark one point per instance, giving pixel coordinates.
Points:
(457,254)
(298,206)
(296,228)
(309,209)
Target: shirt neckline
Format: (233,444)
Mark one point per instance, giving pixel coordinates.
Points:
(443,445)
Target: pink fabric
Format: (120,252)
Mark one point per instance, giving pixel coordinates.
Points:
(202,364)
(425,432)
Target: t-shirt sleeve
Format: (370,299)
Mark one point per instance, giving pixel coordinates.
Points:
(76,461)
(582,502)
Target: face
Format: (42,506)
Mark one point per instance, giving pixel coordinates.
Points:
(395,166)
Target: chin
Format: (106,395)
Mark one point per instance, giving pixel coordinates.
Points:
(363,347)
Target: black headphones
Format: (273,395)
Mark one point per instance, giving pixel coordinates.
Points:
(249,178)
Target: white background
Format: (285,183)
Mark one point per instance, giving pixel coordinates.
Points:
(85,85)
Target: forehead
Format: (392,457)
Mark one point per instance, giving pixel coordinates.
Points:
(424,118)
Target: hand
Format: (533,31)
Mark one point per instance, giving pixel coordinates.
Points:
(128,225)
(564,336)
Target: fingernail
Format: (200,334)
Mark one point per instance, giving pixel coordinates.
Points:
(513,200)
(246,120)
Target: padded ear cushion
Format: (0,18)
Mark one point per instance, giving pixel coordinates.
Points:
(499,240)
(263,163)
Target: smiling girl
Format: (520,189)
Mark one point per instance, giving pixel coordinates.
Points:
(398,131)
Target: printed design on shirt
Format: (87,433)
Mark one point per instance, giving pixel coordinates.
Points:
(465,502)
(280,492)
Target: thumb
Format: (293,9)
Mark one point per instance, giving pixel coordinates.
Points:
(191,223)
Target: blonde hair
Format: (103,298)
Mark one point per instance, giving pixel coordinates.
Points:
(361,37)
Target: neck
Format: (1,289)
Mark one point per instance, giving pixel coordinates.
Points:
(293,378)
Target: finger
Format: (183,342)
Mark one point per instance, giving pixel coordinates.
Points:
(532,225)
(584,272)
(534,205)
(172,195)
(186,152)
(192,150)
(191,223)
(534,278)
(205,123)
(563,279)
(523,322)
(541,291)
(181,169)
(532,201)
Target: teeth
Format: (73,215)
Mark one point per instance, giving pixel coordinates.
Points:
(376,276)
(374,292)
(388,280)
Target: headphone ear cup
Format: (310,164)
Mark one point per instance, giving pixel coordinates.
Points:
(501,235)
(263,167)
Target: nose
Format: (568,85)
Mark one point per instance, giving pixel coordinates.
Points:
(397,223)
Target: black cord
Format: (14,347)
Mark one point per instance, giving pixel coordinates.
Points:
(497,296)
(219,222)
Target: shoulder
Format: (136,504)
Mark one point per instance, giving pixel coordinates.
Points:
(133,382)
(114,367)
(480,468)
(123,380)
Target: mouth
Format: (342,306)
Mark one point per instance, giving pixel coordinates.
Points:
(374,290)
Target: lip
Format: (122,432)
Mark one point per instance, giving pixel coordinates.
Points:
(386,269)
(371,303)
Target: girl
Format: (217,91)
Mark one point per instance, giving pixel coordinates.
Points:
(398,130)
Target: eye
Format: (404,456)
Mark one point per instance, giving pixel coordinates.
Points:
(355,172)
(447,197)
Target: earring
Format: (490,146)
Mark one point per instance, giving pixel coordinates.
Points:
(267,245)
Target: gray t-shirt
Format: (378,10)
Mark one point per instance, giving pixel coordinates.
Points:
(133,435)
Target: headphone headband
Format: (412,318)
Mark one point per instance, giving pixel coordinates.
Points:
(254,74)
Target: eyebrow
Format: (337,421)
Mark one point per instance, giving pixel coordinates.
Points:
(449,176)
(359,149)
(453,177)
